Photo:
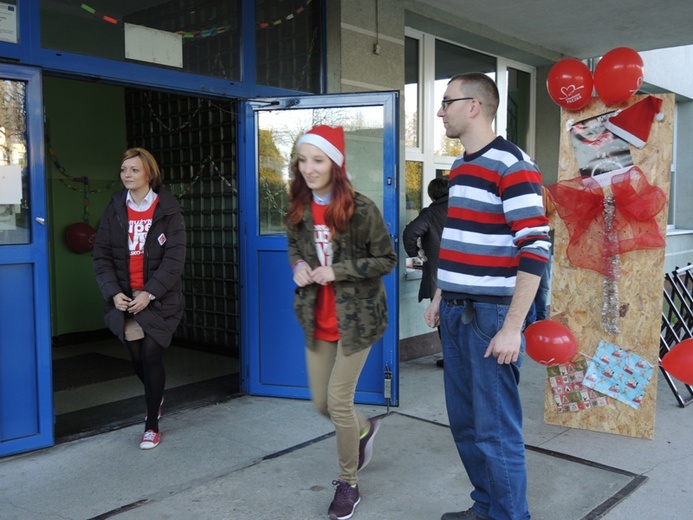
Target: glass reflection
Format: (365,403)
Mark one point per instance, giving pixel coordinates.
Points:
(14,188)
(277,134)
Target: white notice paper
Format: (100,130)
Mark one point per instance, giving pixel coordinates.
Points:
(10,185)
(8,22)
(153,46)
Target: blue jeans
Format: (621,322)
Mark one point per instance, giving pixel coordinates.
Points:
(484,409)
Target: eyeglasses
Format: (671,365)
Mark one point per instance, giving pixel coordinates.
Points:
(446,102)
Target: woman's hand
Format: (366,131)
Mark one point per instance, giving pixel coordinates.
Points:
(121,302)
(139,303)
(323,275)
(302,275)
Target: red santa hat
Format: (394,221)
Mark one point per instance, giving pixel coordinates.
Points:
(330,139)
(633,124)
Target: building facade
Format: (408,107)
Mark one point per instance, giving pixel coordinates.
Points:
(218,91)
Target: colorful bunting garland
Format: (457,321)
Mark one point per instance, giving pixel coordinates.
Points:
(211,31)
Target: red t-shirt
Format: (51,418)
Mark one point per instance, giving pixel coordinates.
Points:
(325,308)
(139,223)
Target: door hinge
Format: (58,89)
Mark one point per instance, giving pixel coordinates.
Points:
(387,392)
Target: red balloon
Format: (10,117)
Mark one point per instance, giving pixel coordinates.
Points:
(678,362)
(618,75)
(570,84)
(550,342)
(80,237)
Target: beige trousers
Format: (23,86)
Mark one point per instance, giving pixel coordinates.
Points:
(332,377)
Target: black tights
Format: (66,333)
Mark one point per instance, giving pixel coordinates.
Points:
(148,361)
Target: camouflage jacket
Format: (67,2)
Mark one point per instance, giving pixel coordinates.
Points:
(361,257)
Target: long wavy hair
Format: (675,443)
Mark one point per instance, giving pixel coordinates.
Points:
(341,207)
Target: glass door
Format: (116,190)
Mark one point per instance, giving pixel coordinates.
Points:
(26,407)
(273,342)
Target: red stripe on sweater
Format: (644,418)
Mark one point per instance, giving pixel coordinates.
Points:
(478,260)
(475,216)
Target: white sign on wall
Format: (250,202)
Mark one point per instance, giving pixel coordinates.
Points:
(8,22)
(10,185)
(153,46)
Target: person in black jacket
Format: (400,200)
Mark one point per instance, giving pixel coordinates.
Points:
(427,229)
(139,254)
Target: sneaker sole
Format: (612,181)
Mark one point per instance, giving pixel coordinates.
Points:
(368,450)
(333,516)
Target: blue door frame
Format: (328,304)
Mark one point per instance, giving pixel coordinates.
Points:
(272,344)
(26,393)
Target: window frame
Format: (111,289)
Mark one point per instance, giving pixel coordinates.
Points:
(428,106)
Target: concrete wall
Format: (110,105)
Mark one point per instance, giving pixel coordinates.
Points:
(671,70)
(679,250)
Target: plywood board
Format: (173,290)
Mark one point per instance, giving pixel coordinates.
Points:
(576,293)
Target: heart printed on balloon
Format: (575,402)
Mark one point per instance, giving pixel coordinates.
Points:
(570,84)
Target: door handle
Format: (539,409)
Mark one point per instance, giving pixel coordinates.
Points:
(41,220)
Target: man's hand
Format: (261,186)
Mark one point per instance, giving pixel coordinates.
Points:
(505,346)
(432,313)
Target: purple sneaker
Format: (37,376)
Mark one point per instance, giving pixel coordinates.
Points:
(345,501)
(366,444)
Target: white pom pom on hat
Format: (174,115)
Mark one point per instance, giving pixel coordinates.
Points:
(330,139)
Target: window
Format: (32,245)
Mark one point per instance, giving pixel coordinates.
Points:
(450,60)
(414,186)
(430,62)
(411,92)
(671,218)
(196,36)
(288,42)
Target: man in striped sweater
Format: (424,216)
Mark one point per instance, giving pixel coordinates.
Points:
(494,249)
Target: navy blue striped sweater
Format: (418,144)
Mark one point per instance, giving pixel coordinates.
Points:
(496,224)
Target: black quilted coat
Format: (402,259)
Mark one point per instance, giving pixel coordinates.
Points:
(164,259)
(429,227)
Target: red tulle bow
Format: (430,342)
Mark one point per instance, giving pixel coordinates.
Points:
(580,204)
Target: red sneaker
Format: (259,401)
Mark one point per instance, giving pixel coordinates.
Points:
(150,439)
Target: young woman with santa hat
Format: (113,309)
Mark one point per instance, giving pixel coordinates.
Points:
(339,250)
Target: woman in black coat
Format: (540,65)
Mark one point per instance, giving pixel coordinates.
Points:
(139,254)
(428,227)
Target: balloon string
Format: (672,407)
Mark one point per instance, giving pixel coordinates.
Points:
(580,352)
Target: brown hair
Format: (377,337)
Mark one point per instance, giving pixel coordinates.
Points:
(151,168)
(481,87)
(341,207)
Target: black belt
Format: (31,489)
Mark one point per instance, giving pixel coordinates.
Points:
(463,301)
(498,300)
